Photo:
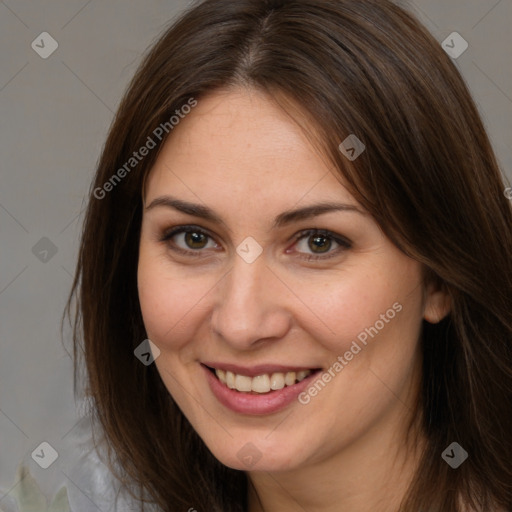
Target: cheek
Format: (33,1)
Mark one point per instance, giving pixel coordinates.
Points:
(381,302)
(172,302)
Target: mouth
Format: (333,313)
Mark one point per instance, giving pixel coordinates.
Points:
(260,390)
(260,384)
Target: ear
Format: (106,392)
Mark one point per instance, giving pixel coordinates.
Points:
(437,302)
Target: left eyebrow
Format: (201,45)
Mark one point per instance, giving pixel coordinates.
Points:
(313,210)
(283,219)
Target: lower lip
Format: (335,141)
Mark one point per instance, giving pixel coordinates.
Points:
(256,404)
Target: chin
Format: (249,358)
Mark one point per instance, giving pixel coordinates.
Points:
(251,458)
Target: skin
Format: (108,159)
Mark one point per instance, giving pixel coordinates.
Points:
(241,155)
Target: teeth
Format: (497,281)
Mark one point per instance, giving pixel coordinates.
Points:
(230,379)
(302,375)
(289,378)
(262,383)
(277,381)
(243,383)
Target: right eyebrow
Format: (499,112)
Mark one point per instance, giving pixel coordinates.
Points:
(197,210)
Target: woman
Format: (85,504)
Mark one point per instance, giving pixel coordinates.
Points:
(298,205)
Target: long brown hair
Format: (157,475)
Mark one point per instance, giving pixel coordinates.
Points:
(428,176)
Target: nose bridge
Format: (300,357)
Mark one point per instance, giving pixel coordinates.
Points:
(247,309)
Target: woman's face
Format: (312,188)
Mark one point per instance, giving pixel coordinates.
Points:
(268,282)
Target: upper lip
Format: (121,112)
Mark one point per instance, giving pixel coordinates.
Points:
(260,369)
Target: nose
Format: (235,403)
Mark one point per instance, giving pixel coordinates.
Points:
(250,306)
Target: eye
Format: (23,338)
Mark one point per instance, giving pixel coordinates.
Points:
(189,240)
(321,244)
(312,244)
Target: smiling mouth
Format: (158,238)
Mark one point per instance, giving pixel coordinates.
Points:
(260,384)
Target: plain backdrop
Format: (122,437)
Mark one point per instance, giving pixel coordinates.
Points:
(55,113)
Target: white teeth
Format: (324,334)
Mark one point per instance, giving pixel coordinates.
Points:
(277,381)
(243,383)
(302,375)
(230,380)
(289,378)
(261,383)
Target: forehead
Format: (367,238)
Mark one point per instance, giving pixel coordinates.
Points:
(239,148)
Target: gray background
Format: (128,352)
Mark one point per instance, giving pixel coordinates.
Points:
(55,115)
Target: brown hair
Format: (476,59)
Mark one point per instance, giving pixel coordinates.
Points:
(428,176)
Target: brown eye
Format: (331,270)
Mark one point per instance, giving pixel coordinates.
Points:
(188,240)
(195,240)
(319,244)
(313,244)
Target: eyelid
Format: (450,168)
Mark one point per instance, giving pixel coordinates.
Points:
(169,233)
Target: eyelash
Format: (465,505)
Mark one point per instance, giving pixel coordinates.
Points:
(341,241)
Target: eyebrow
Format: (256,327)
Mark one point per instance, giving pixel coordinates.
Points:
(283,219)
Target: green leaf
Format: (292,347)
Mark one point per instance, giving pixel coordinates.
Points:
(60,503)
(27,493)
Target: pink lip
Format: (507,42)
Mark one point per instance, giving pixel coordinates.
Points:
(255,404)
